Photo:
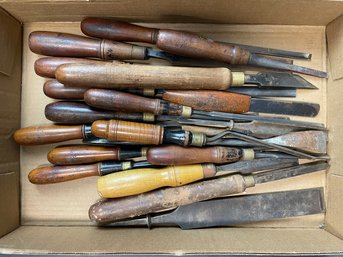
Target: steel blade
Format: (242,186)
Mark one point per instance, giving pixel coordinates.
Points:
(278,79)
(302,169)
(264,92)
(284,107)
(237,210)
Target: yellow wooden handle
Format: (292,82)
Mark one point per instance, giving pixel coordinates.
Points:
(138,181)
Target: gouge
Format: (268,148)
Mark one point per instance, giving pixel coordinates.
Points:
(133,182)
(236,210)
(179,103)
(185,44)
(157,155)
(67,112)
(56,174)
(107,211)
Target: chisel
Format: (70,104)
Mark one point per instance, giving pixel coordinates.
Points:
(181,103)
(185,44)
(236,210)
(157,155)
(107,211)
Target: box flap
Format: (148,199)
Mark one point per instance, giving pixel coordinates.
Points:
(334,33)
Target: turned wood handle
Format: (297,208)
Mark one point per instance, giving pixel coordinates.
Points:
(107,211)
(56,174)
(176,42)
(47,134)
(178,155)
(69,45)
(56,90)
(71,155)
(137,181)
(210,100)
(128,131)
(126,102)
(109,75)
(46,66)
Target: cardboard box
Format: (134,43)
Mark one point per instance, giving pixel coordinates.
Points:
(53,218)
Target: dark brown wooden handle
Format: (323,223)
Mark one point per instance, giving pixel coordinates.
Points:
(126,102)
(178,155)
(128,131)
(210,100)
(116,30)
(176,42)
(56,174)
(70,155)
(47,134)
(56,90)
(69,45)
(128,207)
(109,75)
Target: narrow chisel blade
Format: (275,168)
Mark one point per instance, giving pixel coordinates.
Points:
(278,79)
(284,107)
(237,210)
(264,92)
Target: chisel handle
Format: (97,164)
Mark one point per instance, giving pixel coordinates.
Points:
(118,101)
(54,89)
(210,100)
(107,211)
(56,174)
(69,45)
(126,76)
(81,154)
(48,134)
(177,155)
(133,182)
(176,42)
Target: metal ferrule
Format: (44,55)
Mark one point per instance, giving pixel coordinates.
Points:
(198,139)
(148,116)
(248,154)
(237,79)
(87,132)
(149,92)
(249,181)
(186,111)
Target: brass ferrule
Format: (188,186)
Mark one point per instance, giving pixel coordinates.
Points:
(149,92)
(237,79)
(198,139)
(186,111)
(144,151)
(248,154)
(126,165)
(249,181)
(147,116)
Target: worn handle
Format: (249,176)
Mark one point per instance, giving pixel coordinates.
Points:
(128,131)
(56,174)
(176,42)
(109,75)
(138,181)
(47,134)
(126,102)
(107,211)
(69,45)
(177,155)
(210,100)
(80,113)
(56,90)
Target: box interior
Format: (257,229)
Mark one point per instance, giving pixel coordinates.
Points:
(61,210)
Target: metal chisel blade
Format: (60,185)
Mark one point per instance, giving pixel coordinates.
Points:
(264,92)
(237,210)
(278,79)
(284,107)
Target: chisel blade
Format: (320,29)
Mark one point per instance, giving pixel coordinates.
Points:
(284,107)
(237,210)
(264,92)
(278,79)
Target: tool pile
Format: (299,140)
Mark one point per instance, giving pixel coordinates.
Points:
(193,127)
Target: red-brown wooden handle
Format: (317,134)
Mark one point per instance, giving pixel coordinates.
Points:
(56,90)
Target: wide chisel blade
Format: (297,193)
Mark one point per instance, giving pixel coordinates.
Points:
(277,79)
(237,210)
(284,107)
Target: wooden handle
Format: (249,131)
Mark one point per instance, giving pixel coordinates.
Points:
(56,90)
(71,155)
(56,174)
(69,45)
(116,30)
(126,102)
(79,113)
(46,66)
(109,75)
(210,100)
(128,131)
(138,181)
(176,42)
(177,155)
(47,134)
(117,209)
